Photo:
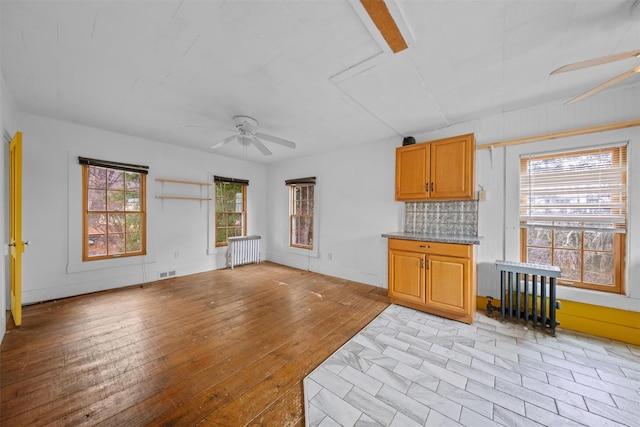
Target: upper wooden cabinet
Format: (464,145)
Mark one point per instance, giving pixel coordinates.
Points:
(437,170)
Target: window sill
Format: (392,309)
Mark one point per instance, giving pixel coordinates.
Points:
(103,264)
(313,253)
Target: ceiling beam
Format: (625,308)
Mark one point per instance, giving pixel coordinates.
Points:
(381,17)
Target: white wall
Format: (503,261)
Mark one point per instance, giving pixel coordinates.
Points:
(498,172)
(354,206)
(355,195)
(178,230)
(355,201)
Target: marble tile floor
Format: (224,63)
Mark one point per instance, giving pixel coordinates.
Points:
(408,368)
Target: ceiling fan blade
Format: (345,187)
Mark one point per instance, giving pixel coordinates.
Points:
(605,85)
(597,61)
(264,150)
(223,142)
(276,140)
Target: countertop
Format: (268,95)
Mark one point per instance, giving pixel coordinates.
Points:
(444,238)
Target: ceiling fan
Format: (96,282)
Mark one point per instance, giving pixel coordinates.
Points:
(599,61)
(247,134)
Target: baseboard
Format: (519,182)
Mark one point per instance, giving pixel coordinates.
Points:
(606,322)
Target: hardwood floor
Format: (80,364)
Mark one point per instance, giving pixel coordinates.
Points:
(223,348)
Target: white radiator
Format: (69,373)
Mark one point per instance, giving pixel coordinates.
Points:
(243,250)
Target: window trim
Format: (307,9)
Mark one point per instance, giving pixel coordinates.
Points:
(619,231)
(619,245)
(224,180)
(124,167)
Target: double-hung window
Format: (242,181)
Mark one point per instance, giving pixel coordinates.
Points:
(573,214)
(301,208)
(114,209)
(231,213)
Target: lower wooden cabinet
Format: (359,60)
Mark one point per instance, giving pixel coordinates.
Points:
(437,278)
(406,276)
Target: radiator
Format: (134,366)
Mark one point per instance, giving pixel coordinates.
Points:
(528,294)
(243,250)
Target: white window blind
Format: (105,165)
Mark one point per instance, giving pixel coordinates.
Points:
(586,188)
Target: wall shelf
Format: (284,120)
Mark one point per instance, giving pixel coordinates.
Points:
(179,181)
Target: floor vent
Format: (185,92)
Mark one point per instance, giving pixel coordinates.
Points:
(166,274)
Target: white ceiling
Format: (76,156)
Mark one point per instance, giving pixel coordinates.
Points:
(312,71)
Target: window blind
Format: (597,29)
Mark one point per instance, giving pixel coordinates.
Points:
(587,187)
(114,165)
(230,180)
(301,181)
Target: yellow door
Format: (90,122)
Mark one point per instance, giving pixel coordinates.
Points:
(15,224)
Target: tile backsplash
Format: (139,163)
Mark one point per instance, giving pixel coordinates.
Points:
(453,218)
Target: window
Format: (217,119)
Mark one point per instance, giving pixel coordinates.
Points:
(573,215)
(114,209)
(301,212)
(231,201)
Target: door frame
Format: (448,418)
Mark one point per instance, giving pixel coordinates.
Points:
(16,245)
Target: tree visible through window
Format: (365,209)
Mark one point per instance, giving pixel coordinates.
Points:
(230,208)
(301,212)
(573,215)
(114,221)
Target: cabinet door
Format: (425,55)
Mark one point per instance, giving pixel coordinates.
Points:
(406,276)
(452,167)
(412,172)
(448,284)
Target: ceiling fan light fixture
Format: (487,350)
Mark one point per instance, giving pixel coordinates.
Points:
(247,135)
(245,124)
(244,139)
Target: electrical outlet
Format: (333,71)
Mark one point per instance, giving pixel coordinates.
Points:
(482,195)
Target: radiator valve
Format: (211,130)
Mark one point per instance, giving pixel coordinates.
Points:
(490,307)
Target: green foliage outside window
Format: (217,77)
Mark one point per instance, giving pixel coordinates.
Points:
(230,211)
